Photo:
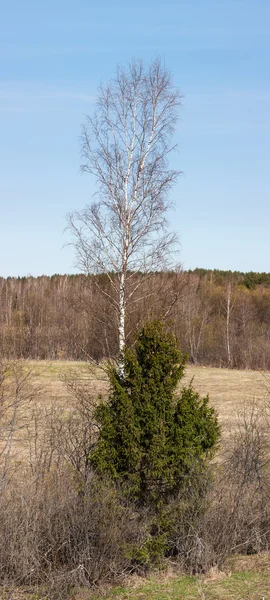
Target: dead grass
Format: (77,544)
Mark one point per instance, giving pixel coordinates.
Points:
(227,388)
(246,583)
(249,584)
(49,376)
(243,578)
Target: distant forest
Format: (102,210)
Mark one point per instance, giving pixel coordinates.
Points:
(221,318)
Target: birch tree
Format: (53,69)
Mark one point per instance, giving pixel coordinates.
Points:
(125,146)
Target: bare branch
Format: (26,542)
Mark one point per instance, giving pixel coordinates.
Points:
(126,146)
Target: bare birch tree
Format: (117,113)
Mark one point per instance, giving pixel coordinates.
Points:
(126,145)
(228,305)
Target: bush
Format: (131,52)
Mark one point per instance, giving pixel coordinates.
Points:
(56,531)
(62,525)
(233,516)
(150,438)
(153,442)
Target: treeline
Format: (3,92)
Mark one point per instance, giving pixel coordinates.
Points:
(221,318)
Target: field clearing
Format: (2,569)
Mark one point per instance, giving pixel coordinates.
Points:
(243,578)
(228,389)
(253,583)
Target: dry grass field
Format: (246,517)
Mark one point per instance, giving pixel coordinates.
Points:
(228,389)
(248,577)
(243,578)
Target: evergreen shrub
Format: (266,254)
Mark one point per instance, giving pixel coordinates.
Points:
(155,439)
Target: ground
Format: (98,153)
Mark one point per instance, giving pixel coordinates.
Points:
(228,389)
(246,578)
(238,585)
(243,578)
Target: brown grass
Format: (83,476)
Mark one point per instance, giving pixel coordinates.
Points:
(228,391)
(227,388)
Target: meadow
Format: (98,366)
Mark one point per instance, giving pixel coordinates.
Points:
(239,577)
(228,389)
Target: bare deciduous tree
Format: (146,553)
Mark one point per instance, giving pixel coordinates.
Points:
(229,306)
(126,145)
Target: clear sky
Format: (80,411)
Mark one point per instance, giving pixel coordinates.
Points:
(53,55)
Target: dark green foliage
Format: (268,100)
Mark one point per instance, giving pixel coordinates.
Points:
(151,439)
(250,280)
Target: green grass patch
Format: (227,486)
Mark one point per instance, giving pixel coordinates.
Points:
(238,586)
(251,584)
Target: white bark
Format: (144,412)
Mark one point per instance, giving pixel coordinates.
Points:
(229,308)
(228,345)
(126,145)
(121,325)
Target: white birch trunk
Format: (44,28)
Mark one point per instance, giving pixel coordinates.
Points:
(229,308)
(121,325)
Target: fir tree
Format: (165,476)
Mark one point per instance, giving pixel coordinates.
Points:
(151,437)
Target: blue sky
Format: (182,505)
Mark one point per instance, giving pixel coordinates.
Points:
(53,55)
